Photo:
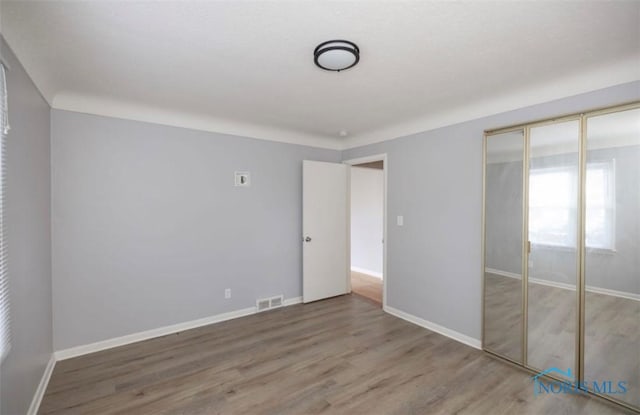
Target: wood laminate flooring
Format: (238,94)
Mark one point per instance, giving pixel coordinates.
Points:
(367,286)
(612,331)
(338,356)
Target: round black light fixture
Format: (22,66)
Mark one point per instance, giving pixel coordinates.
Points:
(336,55)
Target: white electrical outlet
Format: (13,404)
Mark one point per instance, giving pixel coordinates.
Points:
(227,293)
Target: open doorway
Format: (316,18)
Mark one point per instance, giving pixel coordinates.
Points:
(367,223)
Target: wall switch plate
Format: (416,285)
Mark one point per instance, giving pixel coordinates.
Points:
(400,220)
(227,293)
(242,179)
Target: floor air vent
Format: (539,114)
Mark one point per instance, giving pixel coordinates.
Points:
(276,301)
(264,304)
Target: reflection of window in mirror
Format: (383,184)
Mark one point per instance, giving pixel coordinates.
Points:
(601,202)
(552,195)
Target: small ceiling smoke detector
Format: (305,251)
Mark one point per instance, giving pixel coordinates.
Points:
(336,55)
(343,133)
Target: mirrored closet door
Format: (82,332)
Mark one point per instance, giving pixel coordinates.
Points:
(553,245)
(612,255)
(504,243)
(561,253)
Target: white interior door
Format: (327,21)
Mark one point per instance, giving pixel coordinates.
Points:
(325,225)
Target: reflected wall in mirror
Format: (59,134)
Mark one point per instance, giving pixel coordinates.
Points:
(553,234)
(612,253)
(503,244)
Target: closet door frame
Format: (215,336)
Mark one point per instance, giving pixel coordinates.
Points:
(579,237)
(582,118)
(582,296)
(486,136)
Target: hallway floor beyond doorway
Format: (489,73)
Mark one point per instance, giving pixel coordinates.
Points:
(367,286)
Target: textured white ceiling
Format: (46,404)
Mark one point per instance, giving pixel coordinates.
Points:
(246,67)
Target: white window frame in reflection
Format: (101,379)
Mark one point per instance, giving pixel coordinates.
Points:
(601,235)
(553,204)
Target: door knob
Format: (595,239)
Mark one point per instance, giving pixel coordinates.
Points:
(307,239)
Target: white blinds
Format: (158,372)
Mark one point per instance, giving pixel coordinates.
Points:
(4,283)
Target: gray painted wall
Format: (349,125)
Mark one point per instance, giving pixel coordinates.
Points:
(503,199)
(435,182)
(613,270)
(149,230)
(28,226)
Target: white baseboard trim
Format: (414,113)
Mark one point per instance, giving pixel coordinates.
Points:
(367,271)
(614,293)
(42,386)
(503,273)
(554,284)
(160,331)
(565,286)
(452,334)
(292,301)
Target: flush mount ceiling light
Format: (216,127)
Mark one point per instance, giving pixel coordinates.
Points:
(336,55)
